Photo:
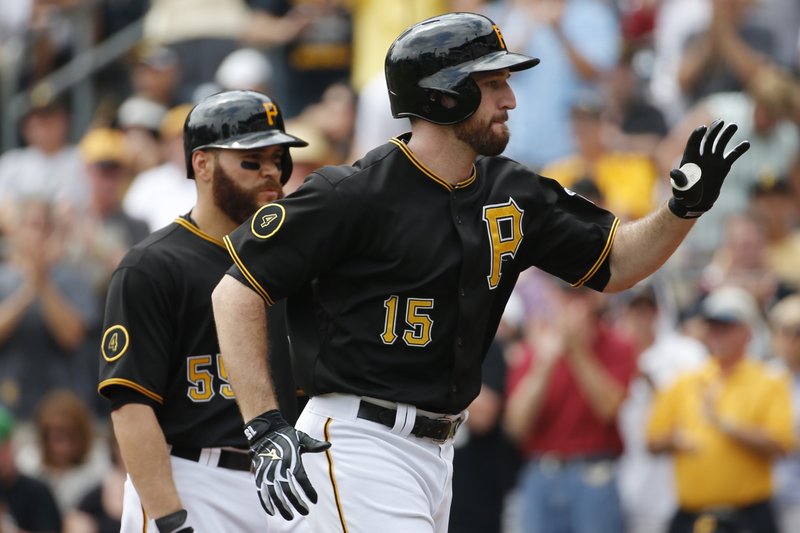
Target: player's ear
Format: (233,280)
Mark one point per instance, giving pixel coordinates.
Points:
(203,162)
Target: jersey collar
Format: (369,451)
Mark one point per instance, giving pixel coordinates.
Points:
(188,224)
(400,142)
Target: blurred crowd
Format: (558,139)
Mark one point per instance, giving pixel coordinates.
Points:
(676,400)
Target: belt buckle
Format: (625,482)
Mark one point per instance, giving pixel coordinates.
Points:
(452,427)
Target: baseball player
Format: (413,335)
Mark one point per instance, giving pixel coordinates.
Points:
(174,413)
(397,270)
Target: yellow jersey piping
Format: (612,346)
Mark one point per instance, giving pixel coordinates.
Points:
(603,255)
(197,231)
(132,385)
(246,273)
(428,172)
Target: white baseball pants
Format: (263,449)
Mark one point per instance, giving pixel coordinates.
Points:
(374,478)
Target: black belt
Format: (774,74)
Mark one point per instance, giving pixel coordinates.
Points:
(227,459)
(437,429)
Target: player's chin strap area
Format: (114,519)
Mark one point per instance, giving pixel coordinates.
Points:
(406,420)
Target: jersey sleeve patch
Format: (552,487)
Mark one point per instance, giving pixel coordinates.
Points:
(267,221)
(115,343)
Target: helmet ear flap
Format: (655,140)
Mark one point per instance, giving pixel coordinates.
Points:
(286,165)
(451,106)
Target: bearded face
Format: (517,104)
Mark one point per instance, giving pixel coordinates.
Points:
(479,134)
(236,201)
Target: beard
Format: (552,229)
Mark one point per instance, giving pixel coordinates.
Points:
(480,137)
(235,201)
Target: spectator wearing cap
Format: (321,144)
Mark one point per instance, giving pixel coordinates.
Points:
(245,68)
(140,118)
(161,194)
(627,180)
(725,425)
(645,481)
(742,261)
(784,319)
(156,74)
(48,166)
(106,229)
(242,69)
(28,502)
(773,205)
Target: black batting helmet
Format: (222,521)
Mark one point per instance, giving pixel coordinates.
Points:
(237,120)
(437,56)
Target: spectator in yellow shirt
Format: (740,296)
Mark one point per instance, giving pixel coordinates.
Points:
(725,424)
(627,180)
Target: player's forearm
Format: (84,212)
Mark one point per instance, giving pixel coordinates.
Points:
(662,445)
(642,246)
(695,63)
(602,392)
(241,321)
(585,69)
(62,318)
(742,60)
(144,451)
(13,308)
(525,403)
(754,439)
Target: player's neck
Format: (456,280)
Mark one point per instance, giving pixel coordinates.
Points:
(439,150)
(211,220)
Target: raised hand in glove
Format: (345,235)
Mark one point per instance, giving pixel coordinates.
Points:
(281,480)
(696,184)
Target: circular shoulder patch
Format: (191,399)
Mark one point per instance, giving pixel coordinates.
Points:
(267,221)
(115,343)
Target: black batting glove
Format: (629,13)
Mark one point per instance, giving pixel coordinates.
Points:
(704,166)
(275,448)
(174,523)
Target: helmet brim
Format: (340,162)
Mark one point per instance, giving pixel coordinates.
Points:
(260,139)
(500,60)
(446,79)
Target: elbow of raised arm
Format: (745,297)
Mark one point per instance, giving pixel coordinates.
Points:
(623,274)
(619,284)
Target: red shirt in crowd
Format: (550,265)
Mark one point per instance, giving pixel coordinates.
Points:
(567,426)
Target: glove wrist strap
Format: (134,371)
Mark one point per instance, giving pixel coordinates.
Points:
(173,522)
(682,211)
(263,423)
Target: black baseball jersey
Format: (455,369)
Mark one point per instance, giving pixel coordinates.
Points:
(160,345)
(397,280)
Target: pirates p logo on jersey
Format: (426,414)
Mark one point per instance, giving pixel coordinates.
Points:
(115,343)
(267,221)
(504,226)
